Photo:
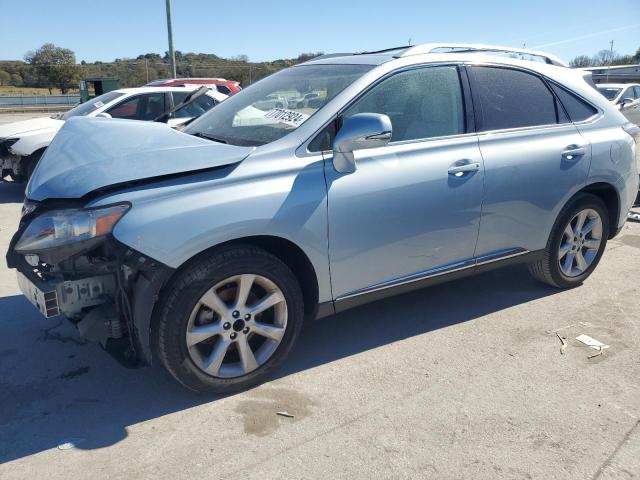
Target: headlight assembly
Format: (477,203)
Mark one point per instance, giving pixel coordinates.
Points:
(63,227)
(27,207)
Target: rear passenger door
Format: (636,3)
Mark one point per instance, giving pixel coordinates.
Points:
(533,156)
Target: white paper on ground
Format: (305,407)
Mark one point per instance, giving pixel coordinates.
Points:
(591,342)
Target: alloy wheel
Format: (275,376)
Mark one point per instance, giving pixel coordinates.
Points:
(580,243)
(236,326)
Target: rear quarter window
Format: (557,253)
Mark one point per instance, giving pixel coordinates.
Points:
(577,109)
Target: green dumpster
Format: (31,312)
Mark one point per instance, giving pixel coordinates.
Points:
(92,87)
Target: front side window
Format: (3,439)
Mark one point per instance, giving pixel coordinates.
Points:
(140,107)
(629,93)
(275,106)
(511,98)
(421,103)
(92,105)
(196,108)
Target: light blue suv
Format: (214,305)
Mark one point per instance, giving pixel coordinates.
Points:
(207,248)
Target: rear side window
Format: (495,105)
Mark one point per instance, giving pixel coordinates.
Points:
(223,89)
(512,99)
(577,108)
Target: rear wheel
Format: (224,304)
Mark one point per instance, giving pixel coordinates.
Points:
(576,243)
(230,319)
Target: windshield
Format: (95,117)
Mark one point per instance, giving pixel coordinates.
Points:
(91,105)
(276,105)
(609,92)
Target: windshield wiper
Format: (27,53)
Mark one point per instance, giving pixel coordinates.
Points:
(209,137)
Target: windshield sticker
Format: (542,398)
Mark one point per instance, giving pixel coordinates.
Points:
(98,104)
(289,117)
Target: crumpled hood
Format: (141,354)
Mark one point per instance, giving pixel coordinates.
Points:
(15,129)
(92,153)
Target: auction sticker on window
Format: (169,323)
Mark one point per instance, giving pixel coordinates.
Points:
(288,117)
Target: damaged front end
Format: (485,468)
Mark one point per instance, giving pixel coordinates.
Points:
(10,163)
(70,264)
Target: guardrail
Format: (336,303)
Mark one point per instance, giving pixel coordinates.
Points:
(39,100)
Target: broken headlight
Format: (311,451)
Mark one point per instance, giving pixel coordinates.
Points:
(63,227)
(27,207)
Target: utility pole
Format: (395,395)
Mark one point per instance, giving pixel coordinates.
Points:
(610,59)
(172,55)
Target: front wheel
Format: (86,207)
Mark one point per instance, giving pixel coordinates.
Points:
(228,320)
(576,243)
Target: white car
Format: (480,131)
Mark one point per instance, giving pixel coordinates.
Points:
(23,143)
(626,96)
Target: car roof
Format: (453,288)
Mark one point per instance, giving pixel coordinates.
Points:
(617,85)
(188,88)
(439,52)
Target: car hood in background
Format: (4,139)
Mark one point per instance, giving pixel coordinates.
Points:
(92,153)
(25,126)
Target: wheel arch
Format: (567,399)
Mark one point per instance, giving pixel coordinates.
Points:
(290,254)
(611,198)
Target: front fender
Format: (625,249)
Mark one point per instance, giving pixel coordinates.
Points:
(33,141)
(174,220)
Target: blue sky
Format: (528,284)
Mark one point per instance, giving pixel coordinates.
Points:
(280,29)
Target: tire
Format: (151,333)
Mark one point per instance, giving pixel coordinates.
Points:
(570,273)
(187,301)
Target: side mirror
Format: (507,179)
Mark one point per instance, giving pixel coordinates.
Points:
(626,101)
(103,115)
(363,130)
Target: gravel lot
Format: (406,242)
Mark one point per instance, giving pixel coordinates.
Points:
(463,380)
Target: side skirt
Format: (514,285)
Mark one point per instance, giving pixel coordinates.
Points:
(400,286)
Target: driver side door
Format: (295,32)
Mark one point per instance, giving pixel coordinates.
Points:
(407,213)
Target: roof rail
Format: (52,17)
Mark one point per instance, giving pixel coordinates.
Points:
(329,55)
(473,47)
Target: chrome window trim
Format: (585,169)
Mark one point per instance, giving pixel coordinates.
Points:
(548,126)
(438,271)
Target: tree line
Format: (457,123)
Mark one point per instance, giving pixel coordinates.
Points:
(55,67)
(605,58)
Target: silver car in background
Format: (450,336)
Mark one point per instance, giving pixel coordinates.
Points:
(626,96)
(207,248)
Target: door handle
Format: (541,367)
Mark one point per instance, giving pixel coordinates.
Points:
(460,170)
(574,152)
